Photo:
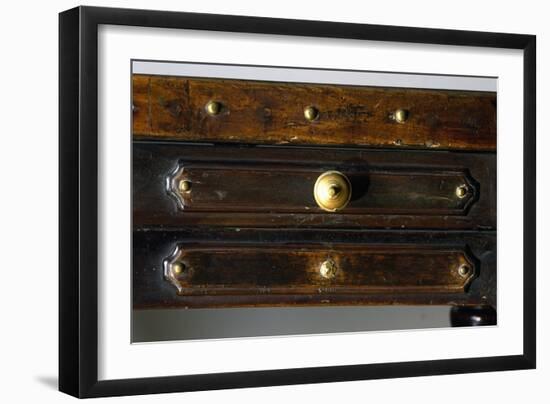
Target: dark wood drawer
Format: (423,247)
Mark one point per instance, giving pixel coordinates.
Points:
(250,193)
(274,187)
(283,267)
(228,269)
(274,113)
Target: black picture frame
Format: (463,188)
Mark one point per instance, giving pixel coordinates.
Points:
(78,196)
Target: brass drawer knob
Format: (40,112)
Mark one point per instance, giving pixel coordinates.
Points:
(328,269)
(332,191)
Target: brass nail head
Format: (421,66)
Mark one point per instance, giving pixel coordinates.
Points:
(328,269)
(213,107)
(185,185)
(178,268)
(311,113)
(462,191)
(464,270)
(400,115)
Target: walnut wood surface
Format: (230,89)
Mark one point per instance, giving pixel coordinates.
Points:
(273,187)
(257,187)
(249,231)
(279,267)
(233,269)
(256,112)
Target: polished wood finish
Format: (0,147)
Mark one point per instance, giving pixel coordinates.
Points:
(252,267)
(472,316)
(243,269)
(224,212)
(256,187)
(257,112)
(273,187)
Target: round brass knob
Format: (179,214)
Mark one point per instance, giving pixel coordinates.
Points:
(328,269)
(311,113)
(178,268)
(185,185)
(213,107)
(400,115)
(464,270)
(332,191)
(462,190)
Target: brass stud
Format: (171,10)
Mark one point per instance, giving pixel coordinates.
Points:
(462,190)
(464,270)
(328,269)
(185,185)
(311,113)
(213,107)
(400,115)
(178,268)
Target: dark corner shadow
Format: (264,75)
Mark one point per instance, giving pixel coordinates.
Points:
(48,381)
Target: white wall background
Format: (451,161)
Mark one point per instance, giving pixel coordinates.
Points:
(28,206)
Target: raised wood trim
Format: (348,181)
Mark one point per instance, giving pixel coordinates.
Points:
(267,267)
(259,269)
(288,188)
(243,205)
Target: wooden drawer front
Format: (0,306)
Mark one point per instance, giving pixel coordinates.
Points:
(273,187)
(255,267)
(257,187)
(273,113)
(305,269)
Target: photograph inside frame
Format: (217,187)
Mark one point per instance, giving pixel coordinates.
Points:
(284,201)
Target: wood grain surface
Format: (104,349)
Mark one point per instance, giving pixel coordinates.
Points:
(253,267)
(273,187)
(257,187)
(255,112)
(233,269)
(248,232)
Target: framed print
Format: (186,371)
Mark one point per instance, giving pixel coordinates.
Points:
(249,201)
